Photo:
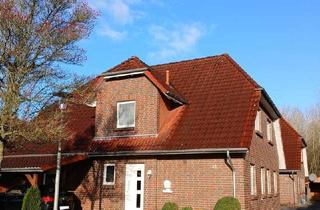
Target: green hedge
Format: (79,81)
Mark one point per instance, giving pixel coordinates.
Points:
(170,206)
(227,203)
(32,199)
(187,208)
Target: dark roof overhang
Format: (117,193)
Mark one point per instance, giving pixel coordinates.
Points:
(269,105)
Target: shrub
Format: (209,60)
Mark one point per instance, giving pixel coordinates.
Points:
(170,206)
(227,203)
(32,199)
(187,208)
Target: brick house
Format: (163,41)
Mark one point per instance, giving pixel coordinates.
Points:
(293,166)
(188,132)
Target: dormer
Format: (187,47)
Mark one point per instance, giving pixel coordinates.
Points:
(132,100)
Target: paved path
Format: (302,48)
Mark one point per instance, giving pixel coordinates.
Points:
(313,206)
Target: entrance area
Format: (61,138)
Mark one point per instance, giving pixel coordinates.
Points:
(134,187)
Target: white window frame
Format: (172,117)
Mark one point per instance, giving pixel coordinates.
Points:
(134,114)
(263,181)
(257,122)
(268,182)
(269,130)
(253,180)
(275,182)
(105,166)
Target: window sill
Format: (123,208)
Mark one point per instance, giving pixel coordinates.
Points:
(109,185)
(124,129)
(259,133)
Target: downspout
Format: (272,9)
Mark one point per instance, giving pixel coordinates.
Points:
(229,161)
(293,188)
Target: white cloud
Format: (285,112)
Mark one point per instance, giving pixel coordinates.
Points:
(106,31)
(121,11)
(177,40)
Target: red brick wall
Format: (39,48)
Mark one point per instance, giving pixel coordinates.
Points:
(264,154)
(196,181)
(139,89)
(292,190)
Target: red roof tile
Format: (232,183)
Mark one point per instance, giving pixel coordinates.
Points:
(292,144)
(222,104)
(43,162)
(129,64)
(222,101)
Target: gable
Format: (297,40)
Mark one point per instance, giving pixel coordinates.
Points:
(137,89)
(292,145)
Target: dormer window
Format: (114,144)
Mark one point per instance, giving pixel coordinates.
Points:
(126,114)
(269,130)
(257,123)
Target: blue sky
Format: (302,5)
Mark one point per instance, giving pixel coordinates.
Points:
(276,41)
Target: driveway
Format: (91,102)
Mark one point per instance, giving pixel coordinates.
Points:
(312,206)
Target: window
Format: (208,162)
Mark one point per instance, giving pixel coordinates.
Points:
(253,179)
(109,174)
(275,182)
(269,130)
(126,114)
(257,123)
(268,182)
(263,178)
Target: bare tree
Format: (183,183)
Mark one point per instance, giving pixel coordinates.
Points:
(296,118)
(37,37)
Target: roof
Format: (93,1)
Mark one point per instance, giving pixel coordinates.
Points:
(222,101)
(221,105)
(292,144)
(131,63)
(42,162)
(80,129)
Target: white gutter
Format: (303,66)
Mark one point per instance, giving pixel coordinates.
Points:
(125,136)
(45,155)
(229,161)
(123,75)
(141,152)
(171,98)
(130,72)
(170,152)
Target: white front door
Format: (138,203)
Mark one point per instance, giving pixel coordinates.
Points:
(134,187)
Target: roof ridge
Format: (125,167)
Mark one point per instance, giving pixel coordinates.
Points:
(241,70)
(225,55)
(188,60)
(125,61)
